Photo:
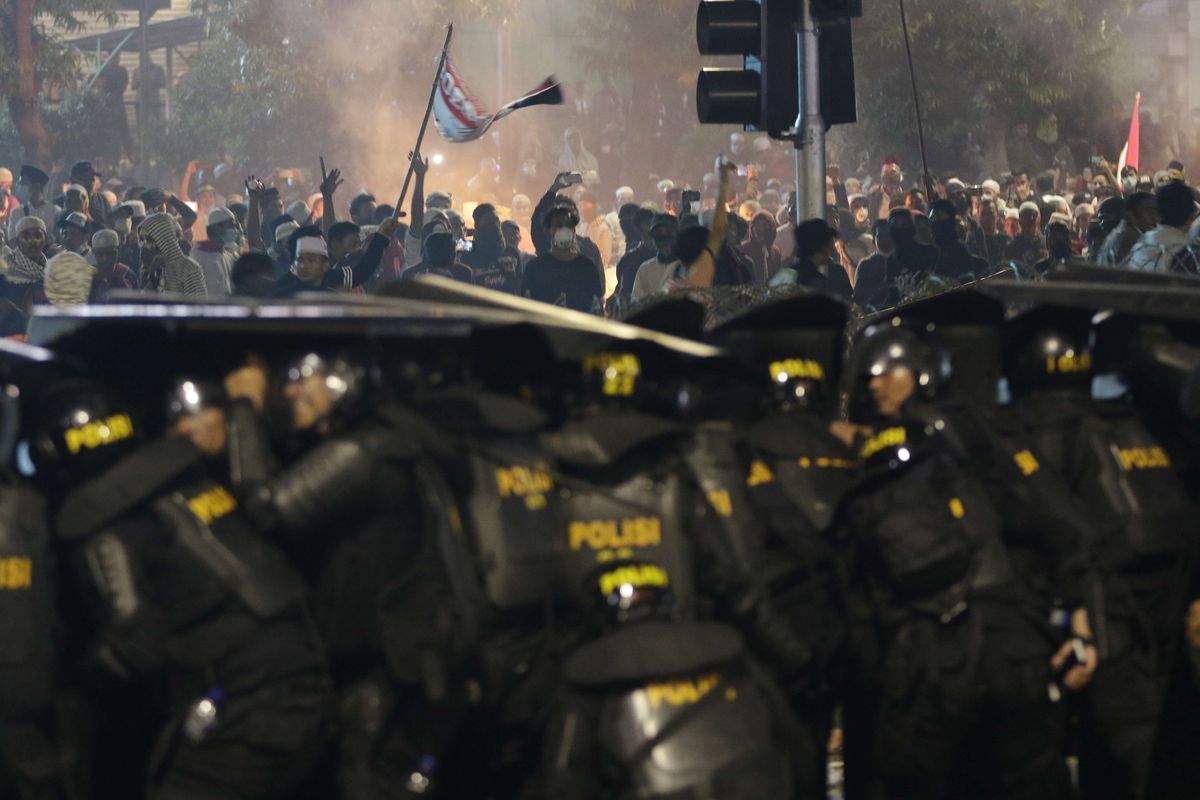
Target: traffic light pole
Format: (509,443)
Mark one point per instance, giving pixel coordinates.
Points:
(810,127)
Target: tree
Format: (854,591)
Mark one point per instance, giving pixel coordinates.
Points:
(981,68)
(39,59)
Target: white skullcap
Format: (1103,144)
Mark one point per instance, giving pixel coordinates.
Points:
(285,230)
(311,244)
(136,207)
(25,223)
(219,214)
(105,238)
(6,175)
(1029,205)
(990,186)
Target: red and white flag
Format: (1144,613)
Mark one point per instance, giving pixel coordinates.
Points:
(1133,145)
(459,116)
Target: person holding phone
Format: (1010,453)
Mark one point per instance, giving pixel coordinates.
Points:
(563,276)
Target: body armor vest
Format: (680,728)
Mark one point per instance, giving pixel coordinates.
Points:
(182,578)
(27,603)
(1123,474)
(931,530)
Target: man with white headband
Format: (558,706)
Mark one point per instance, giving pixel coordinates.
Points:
(310,270)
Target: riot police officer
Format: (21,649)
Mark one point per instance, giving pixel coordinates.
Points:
(351,516)
(965,656)
(172,583)
(794,472)
(640,488)
(1145,536)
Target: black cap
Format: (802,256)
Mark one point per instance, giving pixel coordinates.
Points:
(669,220)
(814,234)
(33,176)
(1113,208)
(153,198)
(83,168)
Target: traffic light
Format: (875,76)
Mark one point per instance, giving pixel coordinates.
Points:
(764,94)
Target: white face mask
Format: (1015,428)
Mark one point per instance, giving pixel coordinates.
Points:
(122,226)
(564,238)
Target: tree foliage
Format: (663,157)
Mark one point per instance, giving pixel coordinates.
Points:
(982,67)
(55,63)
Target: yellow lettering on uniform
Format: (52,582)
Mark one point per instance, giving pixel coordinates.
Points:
(721,502)
(796,369)
(682,693)
(611,534)
(211,505)
(519,481)
(957,509)
(99,433)
(1144,458)
(16,572)
(889,437)
(1068,363)
(619,372)
(636,575)
(759,473)
(1026,462)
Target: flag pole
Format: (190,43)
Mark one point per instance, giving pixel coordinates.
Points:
(927,179)
(416,153)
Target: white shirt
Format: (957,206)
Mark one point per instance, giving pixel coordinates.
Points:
(1157,248)
(652,278)
(47,212)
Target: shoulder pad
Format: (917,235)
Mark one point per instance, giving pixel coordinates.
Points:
(603,440)
(123,487)
(651,650)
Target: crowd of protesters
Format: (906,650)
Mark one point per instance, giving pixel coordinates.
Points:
(580,241)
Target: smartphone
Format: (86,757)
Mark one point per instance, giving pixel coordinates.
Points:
(574,179)
(691,201)
(1095,161)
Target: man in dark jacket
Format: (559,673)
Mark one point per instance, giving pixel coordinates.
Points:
(1141,215)
(310,262)
(955,261)
(493,263)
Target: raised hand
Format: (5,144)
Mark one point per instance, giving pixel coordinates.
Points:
(420,165)
(331,182)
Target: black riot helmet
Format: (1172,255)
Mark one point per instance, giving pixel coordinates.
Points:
(899,349)
(77,430)
(630,591)
(189,396)
(793,342)
(1049,348)
(320,390)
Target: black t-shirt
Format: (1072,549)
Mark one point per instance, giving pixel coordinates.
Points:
(573,284)
(1026,251)
(456,271)
(495,268)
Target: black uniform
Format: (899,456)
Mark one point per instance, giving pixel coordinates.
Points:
(1144,541)
(639,493)
(172,582)
(964,649)
(961,644)
(353,521)
(793,476)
